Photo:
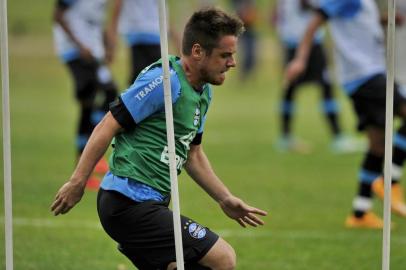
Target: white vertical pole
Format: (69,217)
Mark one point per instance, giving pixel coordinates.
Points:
(6,138)
(390,62)
(170,136)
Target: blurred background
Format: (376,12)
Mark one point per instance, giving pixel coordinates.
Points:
(308,193)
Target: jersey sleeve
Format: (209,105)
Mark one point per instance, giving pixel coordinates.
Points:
(341,8)
(121,114)
(146,96)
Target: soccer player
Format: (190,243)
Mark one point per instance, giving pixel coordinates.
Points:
(138,22)
(359,43)
(134,196)
(80,44)
(291,20)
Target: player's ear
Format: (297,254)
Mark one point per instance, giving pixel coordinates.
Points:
(197,51)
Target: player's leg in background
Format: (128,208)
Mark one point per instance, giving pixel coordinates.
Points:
(286,141)
(83,74)
(287,109)
(371,168)
(329,105)
(85,126)
(398,159)
(318,71)
(341,143)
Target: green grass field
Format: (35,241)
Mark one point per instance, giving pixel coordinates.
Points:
(307,196)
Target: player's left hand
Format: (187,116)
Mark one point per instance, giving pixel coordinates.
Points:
(244,214)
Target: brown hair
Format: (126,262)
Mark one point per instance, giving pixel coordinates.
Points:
(207,26)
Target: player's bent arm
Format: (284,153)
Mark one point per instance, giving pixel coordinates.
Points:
(115,16)
(111,31)
(72,191)
(297,66)
(199,168)
(303,50)
(201,171)
(58,17)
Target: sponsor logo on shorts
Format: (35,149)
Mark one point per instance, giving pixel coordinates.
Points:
(196,230)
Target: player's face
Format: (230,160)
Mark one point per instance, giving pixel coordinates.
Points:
(221,59)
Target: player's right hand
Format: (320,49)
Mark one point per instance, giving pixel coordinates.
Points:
(294,69)
(67,197)
(85,53)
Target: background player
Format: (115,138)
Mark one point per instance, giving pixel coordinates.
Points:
(83,47)
(292,19)
(359,43)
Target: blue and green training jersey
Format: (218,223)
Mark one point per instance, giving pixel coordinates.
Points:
(140,155)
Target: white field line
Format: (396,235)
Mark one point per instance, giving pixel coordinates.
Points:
(59,222)
(53,223)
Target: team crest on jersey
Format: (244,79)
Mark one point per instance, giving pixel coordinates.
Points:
(197,231)
(196,118)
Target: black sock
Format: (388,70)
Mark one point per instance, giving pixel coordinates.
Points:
(370,170)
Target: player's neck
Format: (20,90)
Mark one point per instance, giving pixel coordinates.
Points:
(192,73)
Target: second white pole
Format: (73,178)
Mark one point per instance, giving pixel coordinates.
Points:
(171,137)
(8,202)
(390,80)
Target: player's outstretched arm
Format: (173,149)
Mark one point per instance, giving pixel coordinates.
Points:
(243,213)
(199,168)
(72,191)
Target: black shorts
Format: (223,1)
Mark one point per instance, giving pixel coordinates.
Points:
(369,102)
(145,233)
(316,65)
(87,78)
(143,55)
(84,74)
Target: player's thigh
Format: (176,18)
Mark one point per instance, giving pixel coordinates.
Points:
(145,230)
(85,80)
(220,256)
(369,103)
(156,245)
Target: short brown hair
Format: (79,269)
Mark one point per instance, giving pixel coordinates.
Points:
(207,26)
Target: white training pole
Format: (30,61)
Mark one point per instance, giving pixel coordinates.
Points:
(171,137)
(390,62)
(8,221)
